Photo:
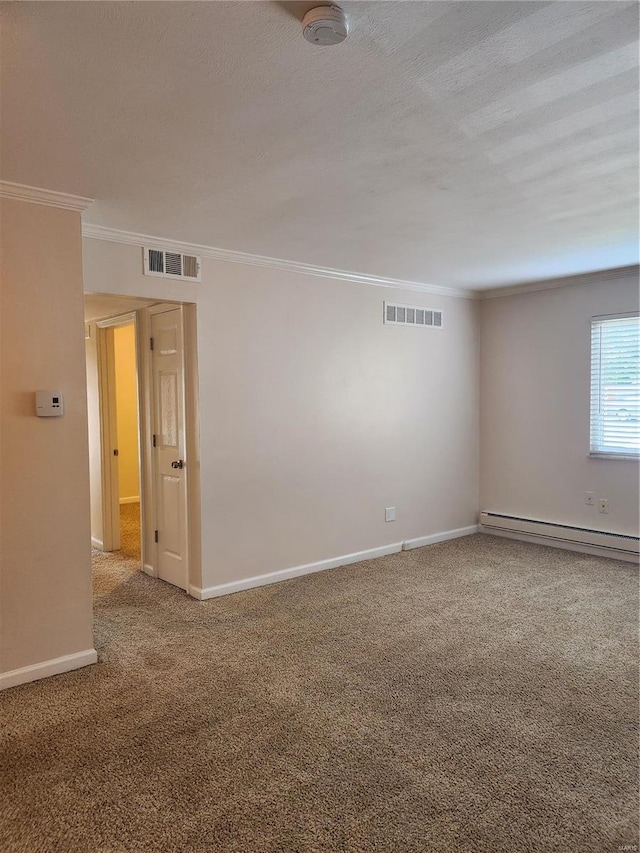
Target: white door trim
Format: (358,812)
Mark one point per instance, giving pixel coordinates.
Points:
(108,438)
(145,421)
(120,320)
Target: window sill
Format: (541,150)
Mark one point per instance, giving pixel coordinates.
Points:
(629,457)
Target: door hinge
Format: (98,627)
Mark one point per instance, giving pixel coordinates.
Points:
(155,536)
(154,440)
(151,344)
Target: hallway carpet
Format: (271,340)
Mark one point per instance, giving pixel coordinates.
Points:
(476,695)
(130,530)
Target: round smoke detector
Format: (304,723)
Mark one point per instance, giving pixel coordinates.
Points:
(325,25)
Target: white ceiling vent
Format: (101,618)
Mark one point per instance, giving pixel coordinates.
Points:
(171,264)
(398,314)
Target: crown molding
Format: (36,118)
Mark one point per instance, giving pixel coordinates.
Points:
(113,235)
(554,283)
(66,201)
(37,195)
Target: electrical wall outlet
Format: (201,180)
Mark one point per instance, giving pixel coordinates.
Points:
(603,505)
(590,499)
(389,513)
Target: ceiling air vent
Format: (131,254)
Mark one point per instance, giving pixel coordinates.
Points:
(171,264)
(398,314)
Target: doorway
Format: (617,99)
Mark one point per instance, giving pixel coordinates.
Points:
(118,396)
(127,438)
(142,441)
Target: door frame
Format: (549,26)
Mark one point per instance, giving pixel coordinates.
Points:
(141,320)
(109,425)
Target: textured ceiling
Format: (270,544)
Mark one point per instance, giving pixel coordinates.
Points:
(468,144)
(99,306)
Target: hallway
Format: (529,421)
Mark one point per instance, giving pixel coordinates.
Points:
(113,568)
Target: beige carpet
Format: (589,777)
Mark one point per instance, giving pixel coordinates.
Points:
(130,530)
(478,695)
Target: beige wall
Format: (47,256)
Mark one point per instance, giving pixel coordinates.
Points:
(535,374)
(314,416)
(124,344)
(95,452)
(46,572)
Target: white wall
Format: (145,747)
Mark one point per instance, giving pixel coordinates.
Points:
(314,416)
(535,377)
(45,560)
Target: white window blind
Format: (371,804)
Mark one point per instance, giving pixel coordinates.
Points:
(615,385)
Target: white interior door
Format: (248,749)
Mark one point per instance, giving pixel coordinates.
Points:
(169,462)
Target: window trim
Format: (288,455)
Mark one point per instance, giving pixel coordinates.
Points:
(606,454)
(623,315)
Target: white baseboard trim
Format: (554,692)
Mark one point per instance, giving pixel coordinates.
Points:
(149,570)
(537,539)
(97,543)
(295,572)
(322,565)
(439,537)
(134,499)
(47,668)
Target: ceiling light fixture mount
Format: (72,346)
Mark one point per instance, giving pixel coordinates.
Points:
(325,25)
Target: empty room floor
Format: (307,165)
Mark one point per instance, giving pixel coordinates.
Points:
(477,695)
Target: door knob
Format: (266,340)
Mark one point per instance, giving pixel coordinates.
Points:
(177,464)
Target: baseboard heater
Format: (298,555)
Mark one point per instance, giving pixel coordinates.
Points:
(560,532)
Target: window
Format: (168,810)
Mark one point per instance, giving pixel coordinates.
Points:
(615,385)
